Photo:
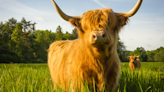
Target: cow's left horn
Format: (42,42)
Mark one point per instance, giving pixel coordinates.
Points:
(134,10)
(61,13)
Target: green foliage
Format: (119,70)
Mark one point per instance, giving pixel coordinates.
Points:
(59,33)
(6,30)
(66,36)
(150,55)
(122,53)
(156,55)
(159,57)
(11,33)
(44,38)
(8,56)
(20,43)
(36,78)
(140,51)
(28,44)
(40,53)
(74,34)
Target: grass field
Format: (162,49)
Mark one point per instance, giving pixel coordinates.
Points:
(36,78)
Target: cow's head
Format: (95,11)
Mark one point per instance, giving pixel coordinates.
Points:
(99,28)
(133,58)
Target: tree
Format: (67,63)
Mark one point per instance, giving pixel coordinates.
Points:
(40,54)
(27,25)
(159,55)
(141,52)
(52,37)
(19,37)
(122,53)
(20,43)
(8,56)
(12,23)
(7,29)
(1,34)
(66,36)
(44,38)
(120,46)
(150,56)
(17,41)
(59,33)
(74,34)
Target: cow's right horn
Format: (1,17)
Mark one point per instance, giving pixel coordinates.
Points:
(133,10)
(61,13)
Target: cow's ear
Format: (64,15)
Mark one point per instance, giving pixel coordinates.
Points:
(122,19)
(128,57)
(75,22)
(137,56)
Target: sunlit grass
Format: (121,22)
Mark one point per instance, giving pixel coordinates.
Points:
(25,78)
(149,78)
(36,78)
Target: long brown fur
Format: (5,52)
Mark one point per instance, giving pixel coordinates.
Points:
(73,61)
(134,62)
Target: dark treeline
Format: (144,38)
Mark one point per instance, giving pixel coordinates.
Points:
(146,56)
(21,43)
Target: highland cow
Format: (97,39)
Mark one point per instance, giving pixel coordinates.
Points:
(93,55)
(134,62)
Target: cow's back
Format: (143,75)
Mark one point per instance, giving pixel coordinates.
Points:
(59,64)
(138,64)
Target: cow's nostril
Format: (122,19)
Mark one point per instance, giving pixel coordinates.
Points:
(94,36)
(103,35)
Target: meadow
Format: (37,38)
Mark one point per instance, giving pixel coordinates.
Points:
(36,78)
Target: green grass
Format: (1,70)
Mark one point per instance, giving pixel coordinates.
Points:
(149,78)
(25,78)
(36,78)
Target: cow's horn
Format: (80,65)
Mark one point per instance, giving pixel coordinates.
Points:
(62,14)
(134,10)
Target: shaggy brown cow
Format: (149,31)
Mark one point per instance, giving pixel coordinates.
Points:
(93,54)
(134,62)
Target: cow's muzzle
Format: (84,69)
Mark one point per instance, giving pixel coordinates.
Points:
(98,37)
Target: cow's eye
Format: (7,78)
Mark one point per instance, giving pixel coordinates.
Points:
(103,35)
(100,26)
(115,28)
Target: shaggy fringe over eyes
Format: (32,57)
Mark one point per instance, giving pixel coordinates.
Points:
(97,19)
